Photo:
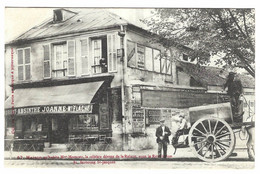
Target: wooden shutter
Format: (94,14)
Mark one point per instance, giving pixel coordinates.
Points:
(163,65)
(156,59)
(131,54)
(27,63)
(46,61)
(84,56)
(112,46)
(71,58)
(149,59)
(168,66)
(20,64)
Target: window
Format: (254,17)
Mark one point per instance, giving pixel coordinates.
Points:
(60,60)
(166,65)
(131,60)
(46,61)
(57,17)
(84,56)
(140,56)
(99,54)
(85,122)
(96,45)
(24,67)
(149,58)
(112,59)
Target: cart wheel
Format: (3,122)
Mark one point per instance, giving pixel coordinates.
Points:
(211,139)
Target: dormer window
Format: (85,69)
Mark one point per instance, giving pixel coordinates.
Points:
(57,16)
(61,15)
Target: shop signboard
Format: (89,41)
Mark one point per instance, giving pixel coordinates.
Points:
(63,109)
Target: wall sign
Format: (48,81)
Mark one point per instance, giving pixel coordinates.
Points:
(138,120)
(84,108)
(153,116)
(179,99)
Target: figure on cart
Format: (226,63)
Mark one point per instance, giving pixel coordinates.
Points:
(234,90)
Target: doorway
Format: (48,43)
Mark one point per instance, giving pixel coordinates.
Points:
(59,131)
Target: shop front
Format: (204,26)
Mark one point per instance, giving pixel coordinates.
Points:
(44,117)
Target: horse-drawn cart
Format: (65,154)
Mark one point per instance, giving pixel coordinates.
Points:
(212,134)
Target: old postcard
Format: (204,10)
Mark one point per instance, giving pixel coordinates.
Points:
(129,87)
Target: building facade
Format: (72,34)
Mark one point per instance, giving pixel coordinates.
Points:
(90,76)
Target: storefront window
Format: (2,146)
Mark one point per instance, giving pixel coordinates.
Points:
(85,122)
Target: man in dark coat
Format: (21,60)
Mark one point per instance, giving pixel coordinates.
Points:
(235,89)
(162,134)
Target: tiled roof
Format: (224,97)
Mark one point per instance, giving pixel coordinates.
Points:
(212,76)
(83,20)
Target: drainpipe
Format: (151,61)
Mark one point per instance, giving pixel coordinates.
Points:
(121,33)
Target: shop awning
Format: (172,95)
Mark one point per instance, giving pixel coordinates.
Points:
(55,95)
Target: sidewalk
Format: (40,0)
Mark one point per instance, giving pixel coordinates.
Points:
(150,154)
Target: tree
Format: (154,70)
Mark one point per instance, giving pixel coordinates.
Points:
(209,32)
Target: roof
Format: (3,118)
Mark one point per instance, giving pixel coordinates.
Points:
(212,76)
(82,20)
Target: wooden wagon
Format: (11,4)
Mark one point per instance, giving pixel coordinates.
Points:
(212,134)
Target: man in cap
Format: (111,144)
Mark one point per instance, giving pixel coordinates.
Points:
(162,134)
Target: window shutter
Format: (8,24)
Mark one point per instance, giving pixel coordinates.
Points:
(163,65)
(149,58)
(20,64)
(131,54)
(27,61)
(112,40)
(46,61)
(156,59)
(84,56)
(71,58)
(168,66)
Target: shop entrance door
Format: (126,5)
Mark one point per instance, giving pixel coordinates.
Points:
(59,130)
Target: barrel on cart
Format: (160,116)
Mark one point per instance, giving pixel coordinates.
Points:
(211,135)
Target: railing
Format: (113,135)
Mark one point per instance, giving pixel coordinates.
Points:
(24,144)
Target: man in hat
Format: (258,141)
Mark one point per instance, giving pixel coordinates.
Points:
(162,134)
(234,90)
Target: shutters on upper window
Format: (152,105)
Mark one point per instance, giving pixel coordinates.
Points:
(112,40)
(24,64)
(46,61)
(71,58)
(84,56)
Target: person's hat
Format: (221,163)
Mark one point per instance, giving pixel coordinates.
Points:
(181,116)
(162,120)
(232,73)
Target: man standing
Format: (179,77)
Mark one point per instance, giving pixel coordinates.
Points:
(235,89)
(162,134)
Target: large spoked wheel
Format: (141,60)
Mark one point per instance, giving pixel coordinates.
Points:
(211,139)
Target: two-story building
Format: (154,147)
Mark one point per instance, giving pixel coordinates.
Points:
(90,75)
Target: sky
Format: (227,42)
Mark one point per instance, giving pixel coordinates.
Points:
(19,20)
